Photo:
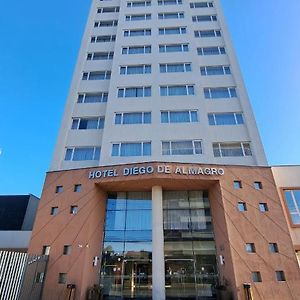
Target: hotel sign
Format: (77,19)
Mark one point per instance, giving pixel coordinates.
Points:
(157,169)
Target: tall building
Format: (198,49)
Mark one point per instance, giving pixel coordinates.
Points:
(159,186)
(157,81)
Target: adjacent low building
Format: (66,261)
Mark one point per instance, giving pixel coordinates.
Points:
(17,215)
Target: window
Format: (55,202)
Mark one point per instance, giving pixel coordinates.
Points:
(292,200)
(54,210)
(174,48)
(207,33)
(133,118)
(172,30)
(74,210)
(169,2)
(177,90)
(88,123)
(201,4)
(100,56)
(92,97)
(231,149)
(237,184)
(258,185)
(139,69)
(211,51)
(136,49)
(109,23)
(250,248)
(142,17)
(263,207)
(173,68)
(215,70)
(280,276)
(77,188)
(96,75)
(187,147)
(204,18)
(137,32)
(225,119)
(39,277)
(59,189)
(82,153)
(134,92)
(175,15)
(62,278)
(273,247)
(111,9)
(242,206)
(256,277)
(131,149)
(220,92)
(67,250)
(46,250)
(103,38)
(185,116)
(138,3)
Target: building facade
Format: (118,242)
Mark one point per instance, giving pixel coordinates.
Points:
(159,186)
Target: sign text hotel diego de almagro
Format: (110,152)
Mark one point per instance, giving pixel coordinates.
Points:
(157,169)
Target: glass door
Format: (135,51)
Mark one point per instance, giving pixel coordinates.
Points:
(180,278)
(137,278)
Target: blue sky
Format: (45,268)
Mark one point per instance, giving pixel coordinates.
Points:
(39,43)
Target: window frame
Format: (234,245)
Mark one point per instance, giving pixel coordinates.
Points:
(188,87)
(187,67)
(142,145)
(168,30)
(297,207)
(221,50)
(122,90)
(184,48)
(242,144)
(190,112)
(235,115)
(103,96)
(125,50)
(121,114)
(100,123)
(170,150)
(96,149)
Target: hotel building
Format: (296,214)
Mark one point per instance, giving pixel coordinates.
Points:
(159,186)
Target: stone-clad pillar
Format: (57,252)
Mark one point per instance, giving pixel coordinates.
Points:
(158,262)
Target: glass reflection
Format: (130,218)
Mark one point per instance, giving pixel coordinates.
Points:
(190,252)
(126,269)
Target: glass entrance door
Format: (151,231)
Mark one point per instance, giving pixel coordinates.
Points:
(180,278)
(137,278)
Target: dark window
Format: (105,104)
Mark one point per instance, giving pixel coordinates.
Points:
(263,207)
(256,277)
(242,206)
(62,278)
(273,247)
(74,209)
(258,185)
(59,189)
(67,250)
(250,247)
(237,184)
(46,250)
(280,276)
(77,188)
(54,210)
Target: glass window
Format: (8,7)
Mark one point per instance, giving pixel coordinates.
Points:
(258,185)
(132,149)
(231,149)
(62,278)
(273,247)
(250,248)
(237,184)
(54,210)
(77,188)
(242,206)
(46,250)
(280,276)
(256,277)
(179,90)
(292,200)
(211,51)
(67,250)
(225,119)
(59,189)
(181,147)
(73,209)
(263,207)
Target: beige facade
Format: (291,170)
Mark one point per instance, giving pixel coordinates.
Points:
(287,178)
(233,229)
